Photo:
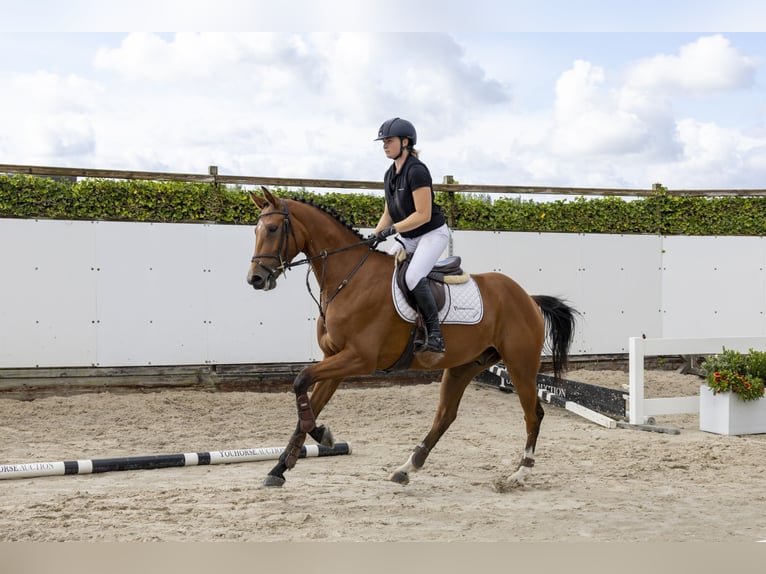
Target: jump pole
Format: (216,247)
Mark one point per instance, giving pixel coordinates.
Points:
(38,469)
(558,401)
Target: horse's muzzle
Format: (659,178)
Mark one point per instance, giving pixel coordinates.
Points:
(261,280)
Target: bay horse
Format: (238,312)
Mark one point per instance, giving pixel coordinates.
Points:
(359,330)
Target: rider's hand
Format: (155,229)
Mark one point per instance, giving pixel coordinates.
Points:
(386,232)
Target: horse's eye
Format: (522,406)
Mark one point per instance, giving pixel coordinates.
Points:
(272,228)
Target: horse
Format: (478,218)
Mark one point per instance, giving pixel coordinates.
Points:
(359,330)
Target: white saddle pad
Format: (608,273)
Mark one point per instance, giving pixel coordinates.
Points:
(462,303)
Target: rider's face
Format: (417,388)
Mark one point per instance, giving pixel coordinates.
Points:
(392,146)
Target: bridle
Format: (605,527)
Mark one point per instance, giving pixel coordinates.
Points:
(284,239)
(282,255)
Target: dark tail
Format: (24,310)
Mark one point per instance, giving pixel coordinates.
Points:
(560,326)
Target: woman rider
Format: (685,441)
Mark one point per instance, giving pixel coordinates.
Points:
(411,212)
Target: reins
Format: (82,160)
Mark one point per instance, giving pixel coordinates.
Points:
(324,255)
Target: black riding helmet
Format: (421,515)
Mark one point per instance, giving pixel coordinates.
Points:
(397,127)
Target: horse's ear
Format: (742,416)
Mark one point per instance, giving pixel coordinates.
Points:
(269,197)
(259,202)
(262,202)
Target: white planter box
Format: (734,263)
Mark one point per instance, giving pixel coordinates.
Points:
(726,413)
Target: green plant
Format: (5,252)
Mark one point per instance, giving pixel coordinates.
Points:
(741,374)
(661,213)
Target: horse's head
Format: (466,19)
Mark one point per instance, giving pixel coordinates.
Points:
(275,242)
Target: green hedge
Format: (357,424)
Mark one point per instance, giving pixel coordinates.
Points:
(119,200)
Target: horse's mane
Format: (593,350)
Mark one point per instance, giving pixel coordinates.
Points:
(332,213)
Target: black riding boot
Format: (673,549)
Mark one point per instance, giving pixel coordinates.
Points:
(425,299)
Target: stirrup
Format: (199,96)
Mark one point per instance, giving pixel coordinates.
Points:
(436,345)
(432,344)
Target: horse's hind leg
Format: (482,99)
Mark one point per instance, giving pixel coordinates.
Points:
(454,382)
(320,396)
(525,384)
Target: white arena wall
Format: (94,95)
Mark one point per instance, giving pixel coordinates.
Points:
(77,294)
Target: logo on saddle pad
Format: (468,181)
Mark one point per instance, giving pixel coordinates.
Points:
(461,302)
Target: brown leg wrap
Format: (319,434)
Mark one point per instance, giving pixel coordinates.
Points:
(306,418)
(528,462)
(293,449)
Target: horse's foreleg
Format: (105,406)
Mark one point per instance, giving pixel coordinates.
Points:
(287,459)
(327,374)
(306,424)
(454,382)
(309,408)
(306,417)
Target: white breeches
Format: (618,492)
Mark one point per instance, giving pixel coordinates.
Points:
(427,250)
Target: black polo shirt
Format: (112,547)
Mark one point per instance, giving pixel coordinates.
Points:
(399,200)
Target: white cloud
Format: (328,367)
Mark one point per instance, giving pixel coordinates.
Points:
(593,120)
(275,60)
(706,143)
(420,76)
(713,157)
(709,64)
(56,93)
(289,102)
(309,105)
(636,125)
(47,116)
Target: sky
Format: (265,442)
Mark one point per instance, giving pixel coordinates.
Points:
(547,93)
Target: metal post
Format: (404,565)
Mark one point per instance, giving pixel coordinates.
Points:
(449,180)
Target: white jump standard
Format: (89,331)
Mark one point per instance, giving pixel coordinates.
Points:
(642,408)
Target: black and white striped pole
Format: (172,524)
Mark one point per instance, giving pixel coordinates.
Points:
(38,469)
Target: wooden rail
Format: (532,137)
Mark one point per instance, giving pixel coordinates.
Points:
(214,177)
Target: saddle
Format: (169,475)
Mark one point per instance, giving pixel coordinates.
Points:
(447,270)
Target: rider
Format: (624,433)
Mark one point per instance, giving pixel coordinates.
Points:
(410,210)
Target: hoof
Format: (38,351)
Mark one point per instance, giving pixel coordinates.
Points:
(400,477)
(514,482)
(328,439)
(520,476)
(502,485)
(273,481)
